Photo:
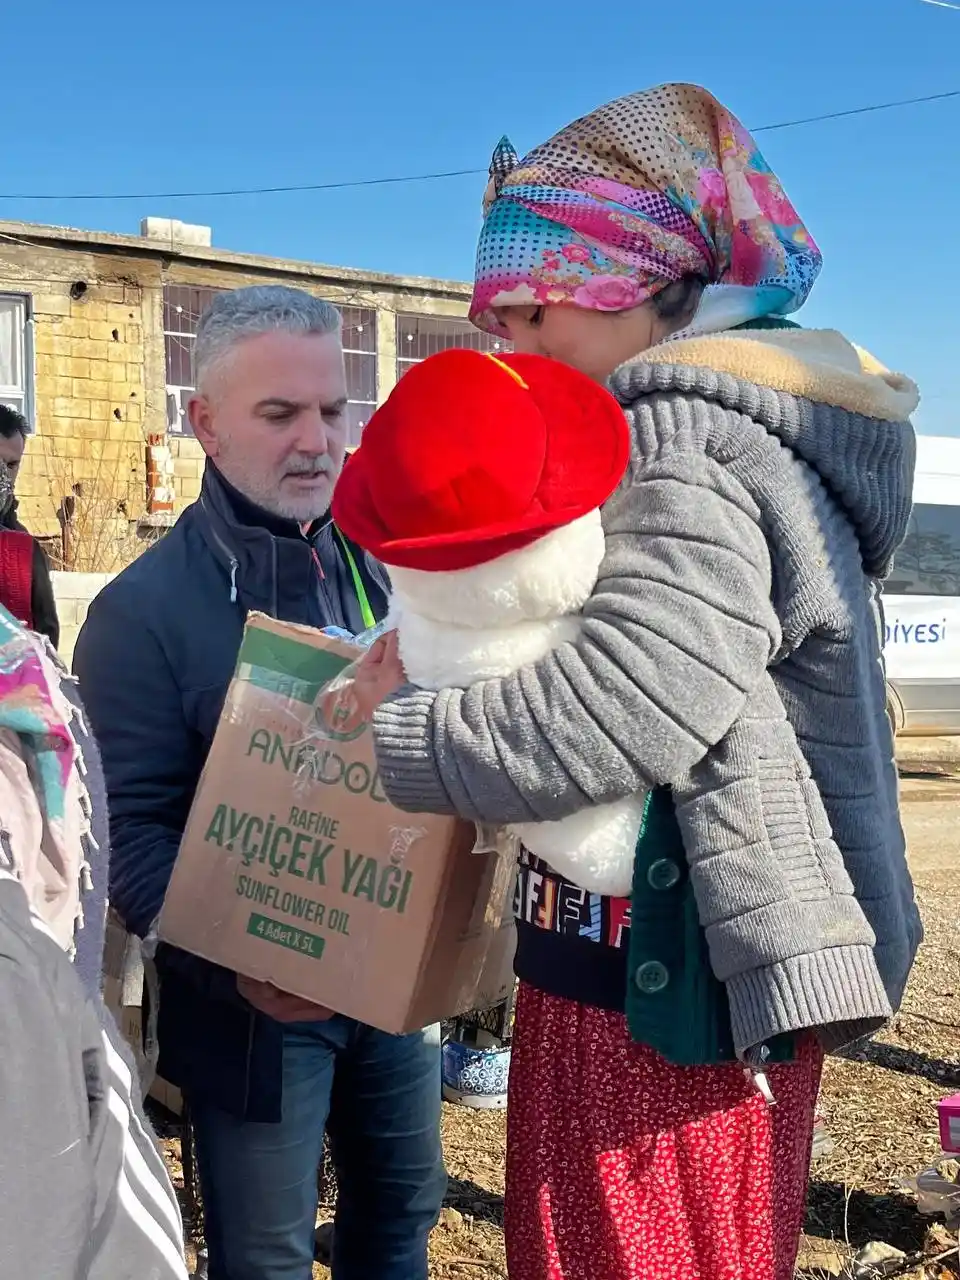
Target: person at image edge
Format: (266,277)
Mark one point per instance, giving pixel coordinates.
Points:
(24,567)
(264,1073)
(729,659)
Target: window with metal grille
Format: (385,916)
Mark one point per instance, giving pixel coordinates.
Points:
(422,336)
(360,356)
(16,354)
(183,305)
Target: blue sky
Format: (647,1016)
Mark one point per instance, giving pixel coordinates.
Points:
(113,97)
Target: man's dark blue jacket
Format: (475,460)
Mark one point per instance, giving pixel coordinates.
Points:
(154,660)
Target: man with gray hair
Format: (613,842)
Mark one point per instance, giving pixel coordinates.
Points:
(264,1073)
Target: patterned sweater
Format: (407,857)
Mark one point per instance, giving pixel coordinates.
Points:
(732,650)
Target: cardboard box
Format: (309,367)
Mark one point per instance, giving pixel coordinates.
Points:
(498,980)
(296,870)
(131,1028)
(123,981)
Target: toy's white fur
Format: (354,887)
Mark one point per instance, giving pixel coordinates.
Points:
(455,628)
(551,577)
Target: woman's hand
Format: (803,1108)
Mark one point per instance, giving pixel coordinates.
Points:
(379,674)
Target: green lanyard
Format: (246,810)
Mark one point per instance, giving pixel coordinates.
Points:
(366,613)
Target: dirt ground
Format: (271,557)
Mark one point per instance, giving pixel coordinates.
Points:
(879,1104)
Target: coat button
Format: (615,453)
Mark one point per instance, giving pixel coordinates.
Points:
(652,977)
(663,874)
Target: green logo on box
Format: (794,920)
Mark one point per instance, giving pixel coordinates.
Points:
(339,718)
(285,935)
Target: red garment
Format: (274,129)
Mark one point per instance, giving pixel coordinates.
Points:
(622,1167)
(16,575)
(475,455)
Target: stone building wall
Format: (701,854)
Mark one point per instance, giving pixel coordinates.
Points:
(74,593)
(99,375)
(90,404)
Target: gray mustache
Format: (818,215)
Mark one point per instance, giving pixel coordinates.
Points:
(307,464)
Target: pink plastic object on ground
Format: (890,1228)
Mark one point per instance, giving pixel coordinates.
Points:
(950,1124)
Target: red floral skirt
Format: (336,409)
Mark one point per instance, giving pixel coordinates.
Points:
(622,1167)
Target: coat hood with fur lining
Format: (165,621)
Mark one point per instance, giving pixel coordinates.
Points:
(868,468)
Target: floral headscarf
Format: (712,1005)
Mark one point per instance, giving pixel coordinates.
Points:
(642,192)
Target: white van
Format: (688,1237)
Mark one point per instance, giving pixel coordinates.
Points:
(921,599)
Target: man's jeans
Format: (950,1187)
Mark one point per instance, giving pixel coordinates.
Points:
(379,1097)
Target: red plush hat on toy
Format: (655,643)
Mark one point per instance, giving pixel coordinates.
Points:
(473,456)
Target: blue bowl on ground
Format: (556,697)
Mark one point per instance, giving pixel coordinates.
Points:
(474,1076)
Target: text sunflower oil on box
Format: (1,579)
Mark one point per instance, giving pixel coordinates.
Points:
(296,869)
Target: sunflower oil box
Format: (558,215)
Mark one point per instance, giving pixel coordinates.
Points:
(295,869)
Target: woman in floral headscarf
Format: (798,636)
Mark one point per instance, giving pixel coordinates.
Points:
(668,1046)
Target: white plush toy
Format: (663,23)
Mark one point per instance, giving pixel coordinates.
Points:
(479,484)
